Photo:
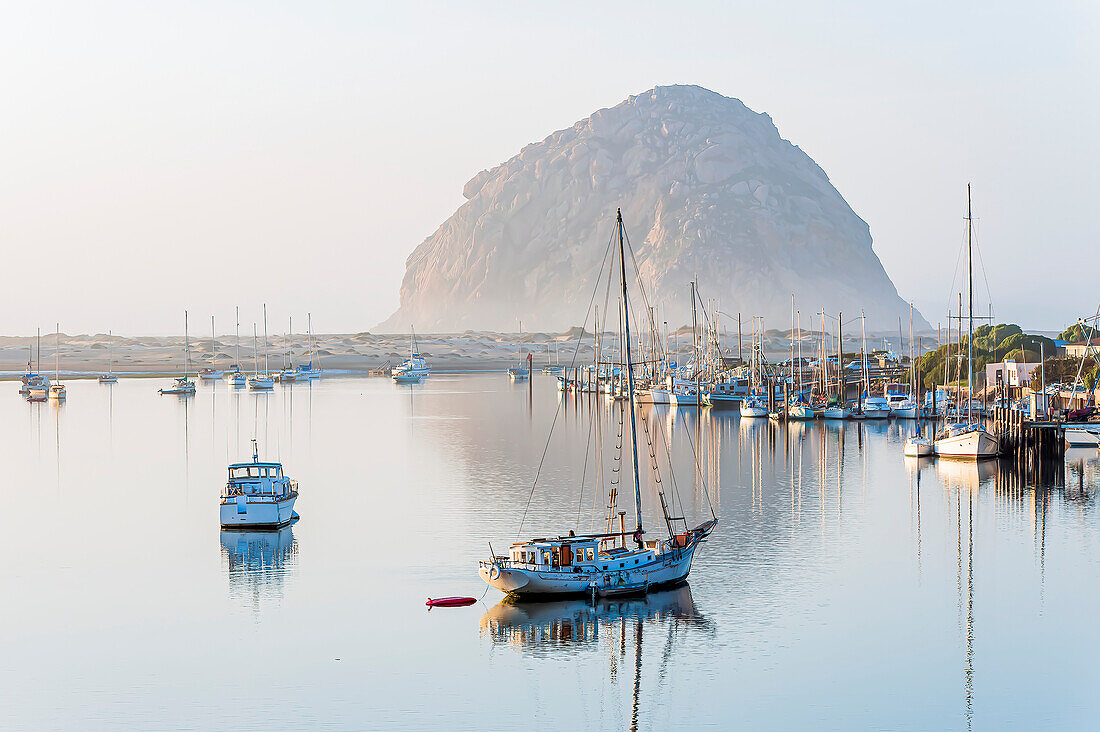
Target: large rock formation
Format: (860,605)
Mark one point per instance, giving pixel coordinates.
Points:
(707,187)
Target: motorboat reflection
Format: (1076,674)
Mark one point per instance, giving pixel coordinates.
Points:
(965,474)
(257,563)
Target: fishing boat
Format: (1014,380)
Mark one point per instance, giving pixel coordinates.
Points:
(517,372)
(659,395)
(970,439)
(258,381)
(727,394)
(234,375)
(603,563)
(183,384)
(685,394)
(258,495)
(212,373)
(56,391)
(109,377)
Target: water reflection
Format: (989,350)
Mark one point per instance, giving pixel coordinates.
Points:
(258,564)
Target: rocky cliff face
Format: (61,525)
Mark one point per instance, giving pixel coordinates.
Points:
(707,187)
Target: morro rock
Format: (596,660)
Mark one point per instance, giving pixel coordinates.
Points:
(707,188)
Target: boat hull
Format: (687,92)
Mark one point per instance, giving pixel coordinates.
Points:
(240,513)
(918,447)
(752,411)
(665,571)
(658,396)
(968,445)
(800,413)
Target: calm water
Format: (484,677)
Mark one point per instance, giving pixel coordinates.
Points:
(844,588)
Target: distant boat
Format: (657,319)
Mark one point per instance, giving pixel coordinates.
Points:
(970,439)
(258,495)
(414,365)
(308,370)
(213,372)
(875,407)
(918,446)
(258,381)
(835,411)
(235,376)
(57,391)
(35,383)
(109,377)
(183,385)
(517,372)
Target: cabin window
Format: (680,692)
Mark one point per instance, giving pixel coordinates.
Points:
(635,561)
(590,554)
(546,557)
(621,565)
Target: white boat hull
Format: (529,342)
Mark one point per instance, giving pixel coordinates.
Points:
(976,444)
(835,413)
(240,512)
(918,447)
(905,412)
(800,412)
(666,569)
(752,411)
(1081,438)
(658,396)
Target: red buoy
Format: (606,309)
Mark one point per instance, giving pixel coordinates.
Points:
(450,601)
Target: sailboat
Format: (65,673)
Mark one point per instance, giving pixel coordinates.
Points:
(213,372)
(264,381)
(798,409)
(872,407)
(308,370)
(969,439)
(236,377)
(183,385)
(57,390)
(603,564)
(412,369)
(289,374)
(109,377)
(35,384)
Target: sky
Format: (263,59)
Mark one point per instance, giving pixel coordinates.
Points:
(157,157)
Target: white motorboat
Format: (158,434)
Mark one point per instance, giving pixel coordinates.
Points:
(407,378)
(603,563)
(905,409)
(754,406)
(658,395)
(835,412)
(875,408)
(518,372)
(258,495)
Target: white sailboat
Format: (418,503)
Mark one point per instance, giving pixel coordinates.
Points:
(412,369)
(308,370)
(183,385)
(109,377)
(57,390)
(264,381)
(211,373)
(236,377)
(603,564)
(970,439)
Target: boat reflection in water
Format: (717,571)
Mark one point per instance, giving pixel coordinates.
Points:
(258,563)
(550,626)
(621,624)
(963,474)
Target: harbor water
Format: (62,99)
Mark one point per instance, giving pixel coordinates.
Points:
(845,587)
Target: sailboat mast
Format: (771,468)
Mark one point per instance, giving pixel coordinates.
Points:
(267,370)
(237,329)
(186,346)
(213,348)
(969,310)
(630,382)
(57,353)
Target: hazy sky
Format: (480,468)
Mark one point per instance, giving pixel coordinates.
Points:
(162,156)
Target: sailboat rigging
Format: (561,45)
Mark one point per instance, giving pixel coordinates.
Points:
(602,563)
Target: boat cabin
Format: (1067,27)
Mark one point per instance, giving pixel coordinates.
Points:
(576,554)
(259,479)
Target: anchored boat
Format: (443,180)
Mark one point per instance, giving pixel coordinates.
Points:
(258,495)
(613,562)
